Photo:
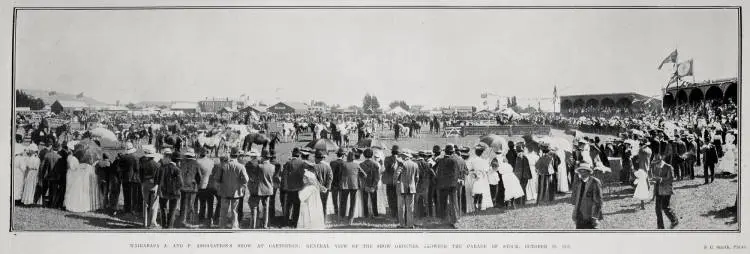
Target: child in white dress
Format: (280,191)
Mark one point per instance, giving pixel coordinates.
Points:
(642,189)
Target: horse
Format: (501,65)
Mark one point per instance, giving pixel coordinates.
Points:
(259,139)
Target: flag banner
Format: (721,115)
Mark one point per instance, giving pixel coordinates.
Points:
(671,58)
(685,68)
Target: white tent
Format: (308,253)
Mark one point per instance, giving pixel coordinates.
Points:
(398,111)
(510,112)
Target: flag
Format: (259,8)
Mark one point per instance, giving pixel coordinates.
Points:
(554,93)
(671,58)
(685,68)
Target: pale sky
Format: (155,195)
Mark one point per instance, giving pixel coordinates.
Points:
(430,57)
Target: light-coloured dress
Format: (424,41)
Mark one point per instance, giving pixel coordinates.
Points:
(478,183)
(562,172)
(19,173)
(728,163)
(642,188)
(29,185)
(511,184)
(531,185)
(78,186)
(311,209)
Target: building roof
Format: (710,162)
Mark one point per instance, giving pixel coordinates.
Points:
(297,106)
(72,104)
(260,109)
(184,105)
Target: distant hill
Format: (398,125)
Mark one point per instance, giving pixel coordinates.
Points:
(49,99)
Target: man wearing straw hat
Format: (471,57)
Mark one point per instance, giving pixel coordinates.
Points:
(191,177)
(131,181)
(587,199)
(406,184)
(149,167)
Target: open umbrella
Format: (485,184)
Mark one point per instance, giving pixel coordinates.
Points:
(104,134)
(494,141)
(86,151)
(323,144)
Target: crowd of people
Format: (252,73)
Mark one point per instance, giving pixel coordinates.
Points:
(164,164)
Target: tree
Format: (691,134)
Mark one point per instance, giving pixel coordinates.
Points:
(25,100)
(370,103)
(399,103)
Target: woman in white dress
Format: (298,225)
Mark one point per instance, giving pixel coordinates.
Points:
(562,171)
(78,195)
(311,207)
(511,184)
(478,188)
(19,172)
(32,172)
(642,189)
(728,164)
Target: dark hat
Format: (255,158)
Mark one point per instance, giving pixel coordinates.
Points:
(319,154)
(395,148)
(340,152)
(295,152)
(235,151)
(436,148)
(368,153)
(449,148)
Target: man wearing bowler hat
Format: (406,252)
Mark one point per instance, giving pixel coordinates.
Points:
(587,199)
(324,175)
(391,166)
(336,168)
(370,183)
(450,176)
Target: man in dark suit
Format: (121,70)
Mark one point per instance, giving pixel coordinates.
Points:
(587,199)
(663,176)
(451,170)
(370,194)
(295,170)
(131,182)
(349,185)
(47,172)
(426,177)
(391,164)
(324,175)
(522,169)
(710,158)
(336,168)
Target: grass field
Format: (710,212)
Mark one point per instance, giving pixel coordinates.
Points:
(700,207)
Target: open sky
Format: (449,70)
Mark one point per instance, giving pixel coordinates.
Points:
(429,57)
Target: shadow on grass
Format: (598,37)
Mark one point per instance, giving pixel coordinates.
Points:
(724,213)
(624,211)
(104,222)
(688,186)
